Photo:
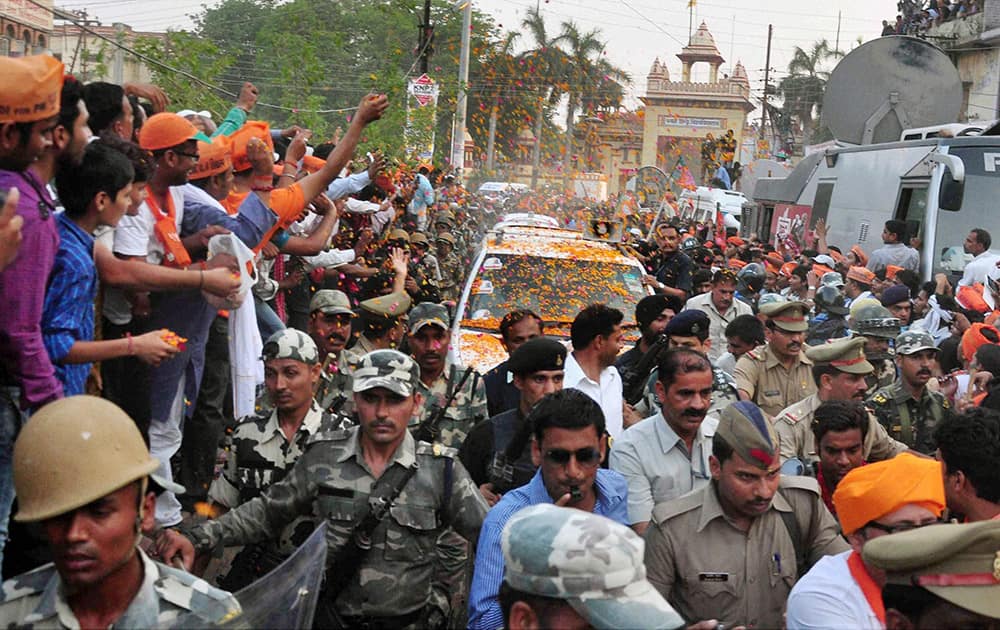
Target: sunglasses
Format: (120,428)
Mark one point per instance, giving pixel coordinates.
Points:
(589,456)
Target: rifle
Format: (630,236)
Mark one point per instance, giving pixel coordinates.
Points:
(634,380)
(501,468)
(428,430)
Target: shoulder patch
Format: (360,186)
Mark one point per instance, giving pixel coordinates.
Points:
(879,398)
(675,507)
(329,434)
(436,450)
(30,583)
(196,595)
(757,354)
(798,482)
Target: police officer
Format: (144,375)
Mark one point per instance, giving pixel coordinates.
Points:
(943,576)
(838,372)
(669,268)
(537,366)
(381,323)
(83,473)
(907,409)
(265,447)
(728,551)
(429,338)
(330,318)
(777,374)
(876,324)
(452,272)
(341,476)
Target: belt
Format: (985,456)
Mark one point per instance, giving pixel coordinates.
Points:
(384,623)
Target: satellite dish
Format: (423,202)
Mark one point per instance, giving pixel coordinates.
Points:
(761,168)
(890,84)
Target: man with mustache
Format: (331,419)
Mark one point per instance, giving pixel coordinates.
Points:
(838,371)
(329,326)
(907,409)
(721,307)
(732,550)
(777,374)
(666,455)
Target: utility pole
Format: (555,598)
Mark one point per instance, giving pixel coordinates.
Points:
(458,133)
(837,45)
(426,37)
(767,80)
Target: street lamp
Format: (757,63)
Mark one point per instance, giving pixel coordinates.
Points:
(458,132)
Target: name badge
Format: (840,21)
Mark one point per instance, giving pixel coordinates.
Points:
(713,577)
(773,392)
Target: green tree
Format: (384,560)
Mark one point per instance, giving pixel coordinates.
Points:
(802,90)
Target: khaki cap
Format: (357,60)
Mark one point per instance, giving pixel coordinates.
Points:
(330,302)
(386,306)
(790,316)
(399,235)
(447,238)
(846,354)
(444,216)
(958,562)
(418,237)
(745,428)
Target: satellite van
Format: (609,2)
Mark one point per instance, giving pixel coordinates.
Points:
(702,203)
(942,187)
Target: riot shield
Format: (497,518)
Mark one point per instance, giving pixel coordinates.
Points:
(284,598)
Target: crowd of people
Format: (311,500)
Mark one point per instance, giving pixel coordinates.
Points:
(914,16)
(249,314)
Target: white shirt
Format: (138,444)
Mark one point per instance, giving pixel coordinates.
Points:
(607,393)
(975,271)
(828,598)
(134,235)
(657,465)
(717,320)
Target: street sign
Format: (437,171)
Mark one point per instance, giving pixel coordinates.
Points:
(423,89)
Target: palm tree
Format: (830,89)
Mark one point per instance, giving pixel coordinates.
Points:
(543,64)
(501,67)
(581,51)
(802,90)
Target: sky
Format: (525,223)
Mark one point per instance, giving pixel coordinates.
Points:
(636,31)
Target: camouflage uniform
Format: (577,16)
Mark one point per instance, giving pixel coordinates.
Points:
(567,554)
(332,480)
(452,270)
(37,599)
(468,407)
(907,419)
(334,391)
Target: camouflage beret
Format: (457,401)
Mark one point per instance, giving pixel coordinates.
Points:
(591,562)
(847,354)
(290,344)
(429,313)
(744,428)
(390,369)
(914,341)
(330,302)
(535,355)
(690,323)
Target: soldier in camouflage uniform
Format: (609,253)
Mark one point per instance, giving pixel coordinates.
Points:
(381,323)
(876,324)
(452,270)
(265,447)
(429,338)
(444,223)
(337,477)
(907,409)
(566,554)
(425,261)
(330,318)
(92,507)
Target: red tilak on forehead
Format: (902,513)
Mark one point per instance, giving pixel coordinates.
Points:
(762,456)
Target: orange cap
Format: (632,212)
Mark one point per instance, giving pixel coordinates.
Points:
(165,130)
(861,274)
(860,254)
(973,339)
(213,158)
(869,492)
(29,88)
(736,263)
(819,269)
(891,271)
(837,256)
(240,138)
(775,259)
(770,267)
(735,240)
(786,269)
(312,164)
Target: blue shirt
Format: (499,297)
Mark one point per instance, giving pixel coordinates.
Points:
(484,609)
(68,311)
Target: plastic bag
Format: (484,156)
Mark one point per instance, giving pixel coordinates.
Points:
(230,244)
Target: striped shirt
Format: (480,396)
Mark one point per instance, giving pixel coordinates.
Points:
(68,312)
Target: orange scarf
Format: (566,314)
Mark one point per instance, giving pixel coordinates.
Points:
(871,590)
(174,254)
